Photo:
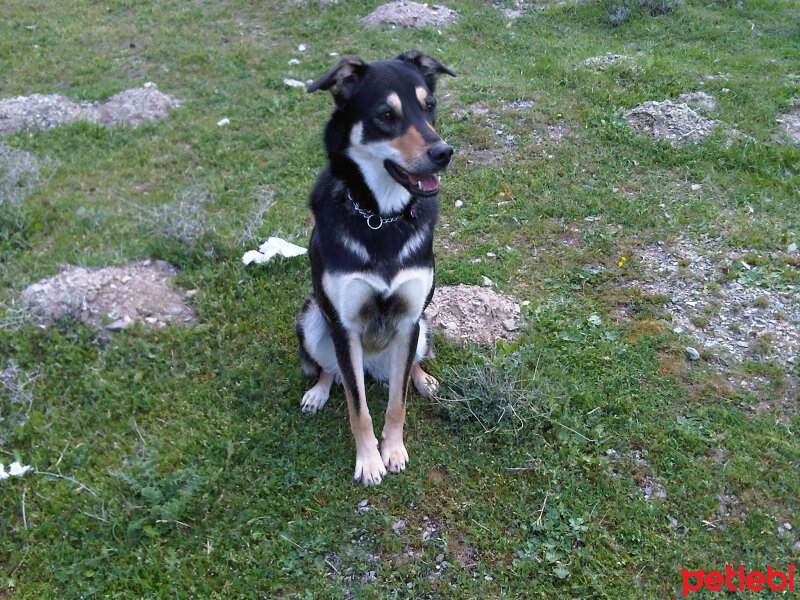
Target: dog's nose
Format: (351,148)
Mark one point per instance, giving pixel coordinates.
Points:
(440,154)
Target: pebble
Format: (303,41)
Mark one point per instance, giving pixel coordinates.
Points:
(399,525)
(487,282)
(294,83)
(439,558)
(611,453)
(692,354)
(223,122)
(696,186)
(301,48)
(792,248)
(787,526)
(363,503)
(459,203)
(118,325)
(510,325)
(294,61)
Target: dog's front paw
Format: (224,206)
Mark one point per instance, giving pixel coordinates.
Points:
(314,399)
(394,456)
(369,468)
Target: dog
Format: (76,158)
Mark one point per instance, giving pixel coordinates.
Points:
(371,250)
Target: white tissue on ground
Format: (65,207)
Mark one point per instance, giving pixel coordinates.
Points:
(15,469)
(270,248)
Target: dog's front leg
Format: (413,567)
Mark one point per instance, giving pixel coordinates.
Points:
(369,466)
(403,350)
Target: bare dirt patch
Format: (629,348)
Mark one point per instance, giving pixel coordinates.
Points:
(45,111)
(604,61)
(492,140)
(410,14)
(474,314)
(677,123)
(698,101)
(791,124)
(732,317)
(112,297)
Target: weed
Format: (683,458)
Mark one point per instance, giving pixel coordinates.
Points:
(184,222)
(761,302)
(16,399)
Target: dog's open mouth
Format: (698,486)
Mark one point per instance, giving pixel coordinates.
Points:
(418,185)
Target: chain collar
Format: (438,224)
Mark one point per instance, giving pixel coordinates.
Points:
(371,217)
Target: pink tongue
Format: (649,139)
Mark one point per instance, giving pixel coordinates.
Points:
(429,182)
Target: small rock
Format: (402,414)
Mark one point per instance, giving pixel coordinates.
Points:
(118,325)
(491,255)
(611,453)
(301,48)
(487,282)
(787,526)
(223,122)
(190,293)
(439,558)
(678,330)
(692,354)
(673,522)
(363,503)
(175,310)
(792,248)
(294,83)
(399,525)
(294,61)
(696,186)
(797,545)
(459,203)
(510,325)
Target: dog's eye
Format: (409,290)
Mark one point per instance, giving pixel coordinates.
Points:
(386,115)
(430,105)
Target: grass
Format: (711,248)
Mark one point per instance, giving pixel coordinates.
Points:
(180,465)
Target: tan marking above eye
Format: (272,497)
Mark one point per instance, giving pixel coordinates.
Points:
(422,96)
(410,145)
(393,100)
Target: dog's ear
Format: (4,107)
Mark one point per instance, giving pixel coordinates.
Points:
(342,80)
(430,68)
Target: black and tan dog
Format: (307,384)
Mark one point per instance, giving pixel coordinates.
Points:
(371,250)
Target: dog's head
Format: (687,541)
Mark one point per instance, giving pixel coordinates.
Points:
(387,113)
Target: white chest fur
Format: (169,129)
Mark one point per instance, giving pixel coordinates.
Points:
(350,293)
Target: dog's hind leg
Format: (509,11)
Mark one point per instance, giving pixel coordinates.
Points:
(402,352)
(315,398)
(426,384)
(369,465)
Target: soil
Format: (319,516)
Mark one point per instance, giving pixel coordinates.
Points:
(111,298)
(698,101)
(474,314)
(410,14)
(45,111)
(677,123)
(791,123)
(603,62)
(740,320)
